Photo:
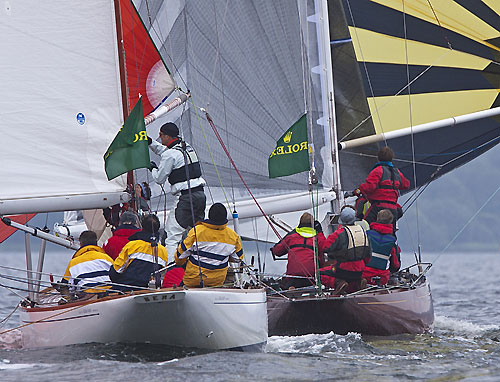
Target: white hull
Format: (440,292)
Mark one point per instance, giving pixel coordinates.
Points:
(199,318)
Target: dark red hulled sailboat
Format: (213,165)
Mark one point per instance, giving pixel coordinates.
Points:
(380,311)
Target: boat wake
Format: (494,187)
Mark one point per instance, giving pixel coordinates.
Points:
(11,340)
(314,343)
(463,328)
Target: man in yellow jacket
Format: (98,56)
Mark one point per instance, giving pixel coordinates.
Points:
(88,269)
(136,263)
(207,249)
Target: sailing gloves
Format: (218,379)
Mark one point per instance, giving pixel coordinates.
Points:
(152,165)
(356,192)
(318,227)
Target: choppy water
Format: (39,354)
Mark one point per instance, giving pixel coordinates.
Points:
(464,346)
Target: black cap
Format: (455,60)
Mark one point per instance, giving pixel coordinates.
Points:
(170,129)
(217,214)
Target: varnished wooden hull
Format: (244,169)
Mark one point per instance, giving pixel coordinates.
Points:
(382,313)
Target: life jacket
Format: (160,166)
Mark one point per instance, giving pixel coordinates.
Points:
(178,175)
(357,245)
(382,245)
(390,175)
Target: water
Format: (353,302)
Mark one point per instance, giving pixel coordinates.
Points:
(465,343)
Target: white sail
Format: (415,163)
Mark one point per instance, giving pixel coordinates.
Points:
(61,105)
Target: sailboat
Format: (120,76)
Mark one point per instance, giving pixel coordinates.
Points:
(409,74)
(67,89)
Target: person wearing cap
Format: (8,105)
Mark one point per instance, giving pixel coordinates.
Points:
(129,224)
(207,250)
(382,186)
(385,252)
(350,248)
(179,163)
(88,269)
(137,261)
(302,244)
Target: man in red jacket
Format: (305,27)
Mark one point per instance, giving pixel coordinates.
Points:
(302,245)
(350,248)
(129,224)
(382,186)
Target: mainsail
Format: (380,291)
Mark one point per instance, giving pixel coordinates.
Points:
(415,62)
(62,105)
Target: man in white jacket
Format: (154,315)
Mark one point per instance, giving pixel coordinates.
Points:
(179,163)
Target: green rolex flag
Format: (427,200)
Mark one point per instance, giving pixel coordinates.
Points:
(129,150)
(291,154)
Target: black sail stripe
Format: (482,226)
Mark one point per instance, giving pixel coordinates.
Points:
(482,11)
(390,22)
(389,79)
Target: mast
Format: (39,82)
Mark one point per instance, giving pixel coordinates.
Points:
(124,88)
(328,95)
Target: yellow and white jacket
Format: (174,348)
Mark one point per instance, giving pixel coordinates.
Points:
(136,262)
(88,270)
(216,244)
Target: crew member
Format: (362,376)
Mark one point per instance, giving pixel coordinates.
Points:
(179,163)
(137,261)
(88,269)
(385,251)
(129,224)
(302,244)
(208,248)
(382,186)
(350,248)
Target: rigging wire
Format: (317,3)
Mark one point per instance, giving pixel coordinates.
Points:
(211,156)
(191,206)
(214,128)
(366,71)
(217,49)
(162,49)
(222,90)
(467,224)
(410,114)
(393,98)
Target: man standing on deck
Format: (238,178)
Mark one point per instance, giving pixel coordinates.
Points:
(382,186)
(179,163)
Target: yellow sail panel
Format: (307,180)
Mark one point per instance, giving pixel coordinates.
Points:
(493,4)
(393,113)
(450,15)
(377,47)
